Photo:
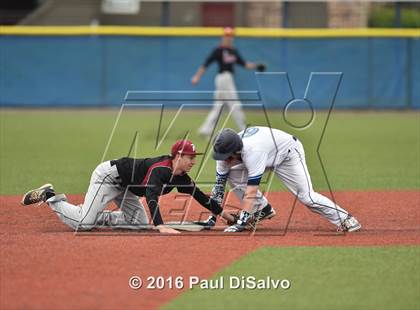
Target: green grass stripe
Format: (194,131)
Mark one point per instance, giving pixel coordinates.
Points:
(321,278)
(360,150)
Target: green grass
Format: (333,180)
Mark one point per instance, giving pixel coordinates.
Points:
(360,151)
(321,278)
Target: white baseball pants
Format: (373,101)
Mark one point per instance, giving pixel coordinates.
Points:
(225,93)
(103,189)
(295,175)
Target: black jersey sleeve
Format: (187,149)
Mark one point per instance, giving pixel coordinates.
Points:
(211,58)
(191,188)
(159,177)
(239,59)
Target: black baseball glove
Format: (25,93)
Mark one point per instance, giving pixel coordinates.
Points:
(235,218)
(261,67)
(250,224)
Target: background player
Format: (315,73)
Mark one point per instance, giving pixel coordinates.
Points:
(242,158)
(123,181)
(226,57)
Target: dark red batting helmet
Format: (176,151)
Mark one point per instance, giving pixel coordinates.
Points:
(184,147)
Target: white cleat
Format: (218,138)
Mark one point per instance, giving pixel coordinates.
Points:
(351,224)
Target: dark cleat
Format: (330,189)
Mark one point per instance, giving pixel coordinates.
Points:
(38,195)
(265,213)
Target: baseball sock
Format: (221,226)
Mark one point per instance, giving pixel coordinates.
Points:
(243,218)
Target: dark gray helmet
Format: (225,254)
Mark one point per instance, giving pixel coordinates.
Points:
(226,144)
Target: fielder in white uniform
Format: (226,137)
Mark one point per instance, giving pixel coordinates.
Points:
(226,57)
(242,158)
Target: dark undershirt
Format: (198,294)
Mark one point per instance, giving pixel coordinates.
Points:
(225,57)
(153,177)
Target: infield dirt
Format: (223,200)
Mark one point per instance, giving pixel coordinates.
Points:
(46,265)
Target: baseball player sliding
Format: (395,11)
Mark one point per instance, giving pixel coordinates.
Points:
(123,181)
(242,159)
(226,57)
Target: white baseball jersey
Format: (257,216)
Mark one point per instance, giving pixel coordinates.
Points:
(263,148)
(269,148)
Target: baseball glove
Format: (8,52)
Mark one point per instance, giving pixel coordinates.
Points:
(235,218)
(250,224)
(261,67)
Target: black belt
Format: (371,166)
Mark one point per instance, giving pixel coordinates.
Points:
(113,163)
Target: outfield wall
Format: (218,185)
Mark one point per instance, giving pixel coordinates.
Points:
(87,66)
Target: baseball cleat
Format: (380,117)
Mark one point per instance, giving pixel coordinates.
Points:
(209,223)
(265,213)
(38,195)
(350,224)
(235,228)
(241,224)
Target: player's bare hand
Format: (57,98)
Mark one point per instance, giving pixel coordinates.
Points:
(195,79)
(167,230)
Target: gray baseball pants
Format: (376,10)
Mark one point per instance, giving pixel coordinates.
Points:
(225,93)
(103,189)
